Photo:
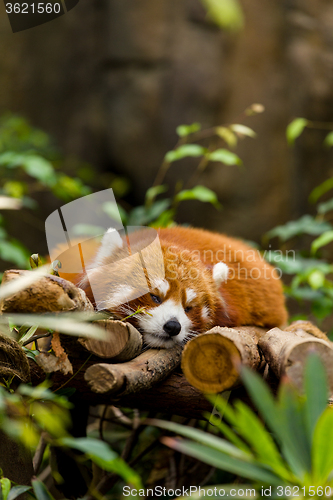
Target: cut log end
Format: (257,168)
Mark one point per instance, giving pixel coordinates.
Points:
(125,342)
(102,379)
(209,363)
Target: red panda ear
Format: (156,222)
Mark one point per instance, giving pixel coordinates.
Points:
(110,242)
(220,273)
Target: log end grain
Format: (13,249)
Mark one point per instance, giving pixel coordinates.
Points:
(209,363)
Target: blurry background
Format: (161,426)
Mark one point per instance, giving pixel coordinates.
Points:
(112,79)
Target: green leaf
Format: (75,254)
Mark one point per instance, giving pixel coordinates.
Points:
(251,428)
(31,354)
(227,135)
(143,215)
(323,188)
(296,447)
(227,14)
(16,491)
(102,455)
(40,490)
(202,437)
(321,241)
(87,230)
(316,279)
(154,191)
(5,487)
(113,210)
(14,251)
(187,150)
(185,130)
(166,219)
(328,142)
(224,156)
(325,207)
(223,461)
(316,391)
(28,335)
(200,193)
(242,130)
(305,225)
(94,448)
(295,264)
(322,450)
(275,417)
(322,307)
(303,293)
(295,128)
(40,169)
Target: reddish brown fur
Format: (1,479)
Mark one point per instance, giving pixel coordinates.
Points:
(189,256)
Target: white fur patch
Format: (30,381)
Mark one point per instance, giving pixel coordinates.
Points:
(111,241)
(122,295)
(205,312)
(152,324)
(220,273)
(161,285)
(190,295)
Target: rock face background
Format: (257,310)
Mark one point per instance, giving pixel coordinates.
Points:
(112,79)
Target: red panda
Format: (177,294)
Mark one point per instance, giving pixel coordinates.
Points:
(203,279)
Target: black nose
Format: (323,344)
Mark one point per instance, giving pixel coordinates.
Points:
(172,327)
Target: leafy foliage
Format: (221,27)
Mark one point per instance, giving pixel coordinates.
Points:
(163,212)
(28,164)
(293,452)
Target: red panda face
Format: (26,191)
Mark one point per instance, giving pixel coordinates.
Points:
(178,305)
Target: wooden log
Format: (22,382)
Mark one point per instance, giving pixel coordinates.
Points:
(48,294)
(286,351)
(124,341)
(173,396)
(136,375)
(209,361)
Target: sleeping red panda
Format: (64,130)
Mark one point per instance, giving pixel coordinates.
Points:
(203,279)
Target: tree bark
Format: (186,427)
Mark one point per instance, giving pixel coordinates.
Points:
(49,294)
(136,375)
(286,352)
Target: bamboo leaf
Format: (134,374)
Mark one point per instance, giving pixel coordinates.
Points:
(295,128)
(224,156)
(223,461)
(316,390)
(202,437)
(322,240)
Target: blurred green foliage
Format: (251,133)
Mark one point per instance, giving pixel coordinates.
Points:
(312,281)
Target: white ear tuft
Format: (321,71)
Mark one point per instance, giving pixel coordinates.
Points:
(111,241)
(220,273)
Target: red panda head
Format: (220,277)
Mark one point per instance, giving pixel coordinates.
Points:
(166,292)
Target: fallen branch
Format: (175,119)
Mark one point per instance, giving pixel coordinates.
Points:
(136,375)
(124,341)
(286,352)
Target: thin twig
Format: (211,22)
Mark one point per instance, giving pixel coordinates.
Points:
(74,375)
(39,453)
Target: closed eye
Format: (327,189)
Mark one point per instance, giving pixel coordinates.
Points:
(156,299)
